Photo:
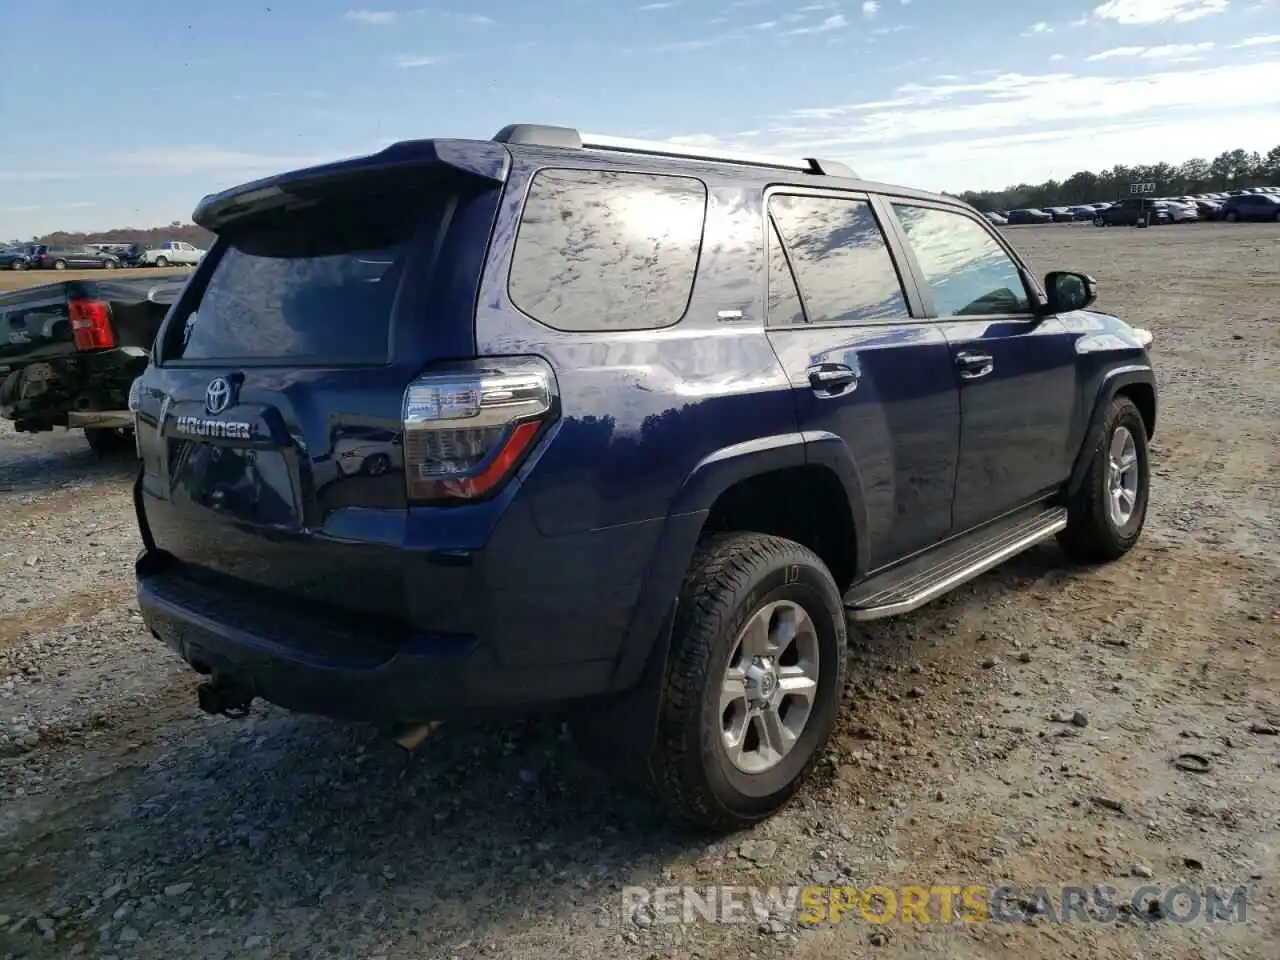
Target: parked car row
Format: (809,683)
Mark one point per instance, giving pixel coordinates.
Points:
(1252,203)
(105,256)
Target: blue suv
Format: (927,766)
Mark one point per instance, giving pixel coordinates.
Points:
(614,429)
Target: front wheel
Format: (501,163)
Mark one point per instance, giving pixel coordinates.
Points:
(753,681)
(1106,517)
(59,264)
(162,261)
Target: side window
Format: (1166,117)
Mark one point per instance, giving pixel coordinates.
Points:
(841,261)
(967,271)
(598,250)
(785,309)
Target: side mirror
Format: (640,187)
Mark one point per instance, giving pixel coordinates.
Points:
(1069,291)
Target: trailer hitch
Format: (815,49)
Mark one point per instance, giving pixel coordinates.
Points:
(224,698)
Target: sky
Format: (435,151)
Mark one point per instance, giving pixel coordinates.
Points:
(126,113)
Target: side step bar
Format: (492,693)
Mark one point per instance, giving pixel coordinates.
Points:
(916,582)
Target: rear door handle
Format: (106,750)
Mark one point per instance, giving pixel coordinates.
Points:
(974,365)
(830,379)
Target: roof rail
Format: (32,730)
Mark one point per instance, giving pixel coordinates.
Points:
(541,135)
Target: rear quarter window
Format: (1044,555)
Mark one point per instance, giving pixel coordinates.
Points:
(600,250)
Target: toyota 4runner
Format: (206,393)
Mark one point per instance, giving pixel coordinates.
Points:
(609,427)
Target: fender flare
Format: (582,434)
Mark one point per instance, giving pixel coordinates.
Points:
(648,633)
(1112,383)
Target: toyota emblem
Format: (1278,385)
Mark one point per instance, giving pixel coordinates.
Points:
(217,397)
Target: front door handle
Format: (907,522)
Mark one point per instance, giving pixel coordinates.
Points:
(830,379)
(974,365)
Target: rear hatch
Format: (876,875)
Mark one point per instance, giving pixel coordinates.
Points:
(270,423)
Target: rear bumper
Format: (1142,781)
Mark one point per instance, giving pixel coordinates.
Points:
(525,623)
(318,669)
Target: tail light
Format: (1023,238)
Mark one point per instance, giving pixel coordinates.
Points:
(468,427)
(91,324)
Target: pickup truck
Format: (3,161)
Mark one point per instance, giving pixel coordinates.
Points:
(171,253)
(70,351)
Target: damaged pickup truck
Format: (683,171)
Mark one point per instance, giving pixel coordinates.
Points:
(70,351)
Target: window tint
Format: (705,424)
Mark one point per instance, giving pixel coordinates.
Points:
(785,308)
(599,250)
(315,286)
(967,271)
(840,259)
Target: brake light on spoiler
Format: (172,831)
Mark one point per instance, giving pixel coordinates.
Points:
(91,324)
(469,426)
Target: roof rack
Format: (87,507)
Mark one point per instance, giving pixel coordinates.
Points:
(542,135)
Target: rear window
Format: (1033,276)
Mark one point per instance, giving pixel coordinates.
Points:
(311,286)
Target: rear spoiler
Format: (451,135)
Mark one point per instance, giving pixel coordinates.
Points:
(480,159)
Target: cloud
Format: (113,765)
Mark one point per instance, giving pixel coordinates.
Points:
(834,22)
(375,18)
(205,158)
(1264,41)
(1165,52)
(1143,12)
(870,8)
(662,5)
(698,43)
(36,176)
(1035,28)
(408,60)
(1058,56)
(921,117)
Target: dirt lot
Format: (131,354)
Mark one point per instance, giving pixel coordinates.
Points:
(131,825)
(19,279)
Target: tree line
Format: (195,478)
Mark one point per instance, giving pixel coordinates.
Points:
(150,236)
(1229,170)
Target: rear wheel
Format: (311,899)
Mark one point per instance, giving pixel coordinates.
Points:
(1232,216)
(59,264)
(19,265)
(753,681)
(107,441)
(1106,517)
(108,264)
(162,261)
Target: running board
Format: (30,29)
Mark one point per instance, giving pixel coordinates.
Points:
(911,585)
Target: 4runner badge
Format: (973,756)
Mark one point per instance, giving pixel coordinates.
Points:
(217,397)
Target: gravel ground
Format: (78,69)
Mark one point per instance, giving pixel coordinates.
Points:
(1019,732)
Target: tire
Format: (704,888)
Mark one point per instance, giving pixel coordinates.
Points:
(59,264)
(1095,533)
(107,441)
(162,261)
(735,580)
(1231,216)
(108,264)
(18,265)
